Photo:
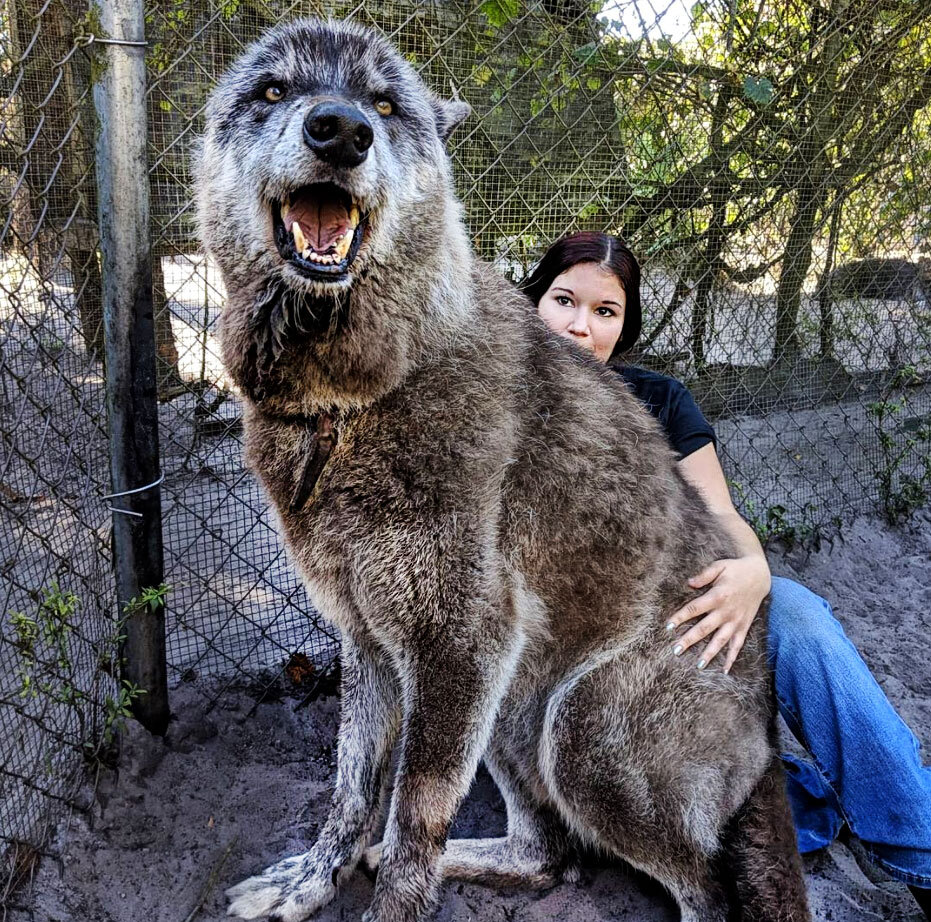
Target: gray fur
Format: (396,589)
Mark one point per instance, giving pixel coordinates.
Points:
(500,535)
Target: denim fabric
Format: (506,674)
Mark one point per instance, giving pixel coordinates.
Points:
(866,768)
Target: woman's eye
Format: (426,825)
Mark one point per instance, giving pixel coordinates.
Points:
(562,299)
(384,107)
(274,93)
(605,312)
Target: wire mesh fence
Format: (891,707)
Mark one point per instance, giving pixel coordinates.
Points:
(58,697)
(768,162)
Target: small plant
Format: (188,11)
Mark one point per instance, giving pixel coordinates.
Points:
(56,612)
(52,346)
(118,710)
(46,668)
(900,492)
(151,597)
(52,626)
(27,632)
(774,523)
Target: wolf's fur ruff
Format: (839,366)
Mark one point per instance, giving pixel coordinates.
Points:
(500,533)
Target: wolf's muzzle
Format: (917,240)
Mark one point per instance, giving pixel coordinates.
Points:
(338,134)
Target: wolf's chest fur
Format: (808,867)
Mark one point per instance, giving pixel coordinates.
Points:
(387,493)
(478,476)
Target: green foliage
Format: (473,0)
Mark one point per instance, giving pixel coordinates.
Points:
(904,472)
(27,632)
(56,614)
(92,25)
(500,12)
(774,523)
(759,90)
(118,710)
(169,21)
(46,647)
(152,597)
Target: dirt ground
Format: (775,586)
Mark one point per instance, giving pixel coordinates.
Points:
(239,784)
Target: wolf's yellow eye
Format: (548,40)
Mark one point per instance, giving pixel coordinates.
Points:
(274,93)
(384,107)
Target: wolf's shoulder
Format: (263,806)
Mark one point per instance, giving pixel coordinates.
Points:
(489,283)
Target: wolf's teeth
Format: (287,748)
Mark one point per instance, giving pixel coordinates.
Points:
(300,241)
(343,244)
(354,216)
(325,259)
(284,211)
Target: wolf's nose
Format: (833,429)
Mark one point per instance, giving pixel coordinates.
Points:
(338,134)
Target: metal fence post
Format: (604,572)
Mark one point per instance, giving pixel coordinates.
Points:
(129,329)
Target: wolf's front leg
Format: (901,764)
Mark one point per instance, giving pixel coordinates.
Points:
(296,887)
(451,693)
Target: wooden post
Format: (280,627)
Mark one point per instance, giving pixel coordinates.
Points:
(129,332)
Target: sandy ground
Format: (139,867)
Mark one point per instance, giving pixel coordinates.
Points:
(240,783)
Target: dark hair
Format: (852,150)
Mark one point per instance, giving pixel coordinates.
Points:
(612,254)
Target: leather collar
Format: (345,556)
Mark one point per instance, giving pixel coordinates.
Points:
(322,432)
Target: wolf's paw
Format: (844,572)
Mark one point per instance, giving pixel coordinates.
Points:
(289,891)
(371,858)
(572,873)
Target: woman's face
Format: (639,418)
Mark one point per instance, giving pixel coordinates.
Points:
(586,305)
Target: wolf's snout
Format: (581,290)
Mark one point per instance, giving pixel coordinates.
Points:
(338,134)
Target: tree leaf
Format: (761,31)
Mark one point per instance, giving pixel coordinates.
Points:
(759,90)
(500,12)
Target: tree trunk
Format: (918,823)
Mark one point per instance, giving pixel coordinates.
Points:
(22,217)
(714,239)
(796,261)
(81,235)
(813,166)
(825,297)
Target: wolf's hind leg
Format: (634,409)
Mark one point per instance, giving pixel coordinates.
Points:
(293,889)
(510,861)
(624,778)
(761,852)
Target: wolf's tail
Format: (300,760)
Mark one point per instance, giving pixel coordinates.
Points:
(761,859)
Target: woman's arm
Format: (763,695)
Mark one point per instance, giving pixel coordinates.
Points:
(737,585)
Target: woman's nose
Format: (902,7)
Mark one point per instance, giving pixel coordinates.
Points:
(579,324)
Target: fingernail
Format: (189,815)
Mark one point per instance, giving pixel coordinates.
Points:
(701,664)
(677,649)
(671,626)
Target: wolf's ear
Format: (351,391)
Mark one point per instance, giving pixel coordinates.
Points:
(449,114)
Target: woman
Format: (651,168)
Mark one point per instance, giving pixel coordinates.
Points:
(866,769)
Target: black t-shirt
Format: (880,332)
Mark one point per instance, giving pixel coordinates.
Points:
(671,403)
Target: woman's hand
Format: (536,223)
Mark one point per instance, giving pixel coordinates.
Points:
(737,587)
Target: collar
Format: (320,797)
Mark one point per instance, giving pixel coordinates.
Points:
(322,431)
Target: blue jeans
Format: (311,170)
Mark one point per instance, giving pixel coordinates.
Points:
(866,768)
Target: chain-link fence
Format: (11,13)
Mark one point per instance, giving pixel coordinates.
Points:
(769,162)
(58,646)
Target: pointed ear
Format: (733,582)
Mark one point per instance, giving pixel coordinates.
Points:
(449,113)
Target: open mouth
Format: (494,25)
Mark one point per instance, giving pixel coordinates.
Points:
(319,230)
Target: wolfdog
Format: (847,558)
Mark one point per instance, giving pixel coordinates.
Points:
(493,522)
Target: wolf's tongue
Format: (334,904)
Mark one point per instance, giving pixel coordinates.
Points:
(323,223)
